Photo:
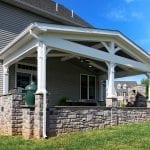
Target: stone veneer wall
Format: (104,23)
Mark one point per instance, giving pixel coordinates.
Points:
(70,119)
(28,122)
(16,119)
(10,114)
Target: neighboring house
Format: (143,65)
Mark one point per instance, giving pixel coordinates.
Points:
(65,56)
(129,93)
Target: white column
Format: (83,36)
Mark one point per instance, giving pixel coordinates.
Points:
(41,85)
(111,100)
(41,68)
(111,74)
(148,100)
(5,79)
(148,75)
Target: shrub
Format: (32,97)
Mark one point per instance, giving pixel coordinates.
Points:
(61,101)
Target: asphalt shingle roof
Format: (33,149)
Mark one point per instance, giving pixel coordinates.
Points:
(47,8)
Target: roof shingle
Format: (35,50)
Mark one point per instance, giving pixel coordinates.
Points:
(47,8)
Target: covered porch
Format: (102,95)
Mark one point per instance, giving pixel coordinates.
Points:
(74,62)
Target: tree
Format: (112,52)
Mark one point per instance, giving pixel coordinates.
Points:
(145,82)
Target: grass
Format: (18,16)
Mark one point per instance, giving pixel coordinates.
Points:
(130,137)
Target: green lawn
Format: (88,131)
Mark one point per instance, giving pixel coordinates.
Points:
(131,137)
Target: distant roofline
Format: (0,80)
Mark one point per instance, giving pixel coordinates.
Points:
(125,81)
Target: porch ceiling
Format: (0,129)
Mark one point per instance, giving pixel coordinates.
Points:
(97,67)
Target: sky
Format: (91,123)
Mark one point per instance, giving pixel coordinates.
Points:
(131,17)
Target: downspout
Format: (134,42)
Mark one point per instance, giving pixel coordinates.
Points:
(44,92)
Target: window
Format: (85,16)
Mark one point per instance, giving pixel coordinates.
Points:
(26,67)
(23,79)
(124,86)
(24,74)
(88,86)
(125,94)
(91,87)
(118,94)
(84,87)
(119,86)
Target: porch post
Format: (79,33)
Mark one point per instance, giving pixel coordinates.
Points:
(41,68)
(111,99)
(40,102)
(148,100)
(5,79)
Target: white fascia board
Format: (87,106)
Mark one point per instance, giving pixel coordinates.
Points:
(25,50)
(76,30)
(85,51)
(17,39)
(134,45)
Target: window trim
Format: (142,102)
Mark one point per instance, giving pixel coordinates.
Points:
(19,70)
(87,86)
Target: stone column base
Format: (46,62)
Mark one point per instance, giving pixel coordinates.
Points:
(148,103)
(38,116)
(111,102)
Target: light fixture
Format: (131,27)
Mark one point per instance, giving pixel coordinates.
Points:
(81,60)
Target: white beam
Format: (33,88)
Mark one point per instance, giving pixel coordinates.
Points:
(106,46)
(97,66)
(58,55)
(118,40)
(126,68)
(94,34)
(67,57)
(112,47)
(52,55)
(121,74)
(48,50)
(88,52)
(130,52)
(97,46)
(20,53)
(117,49)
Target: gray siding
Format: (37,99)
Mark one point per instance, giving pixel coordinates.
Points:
(14,20)
(63,79)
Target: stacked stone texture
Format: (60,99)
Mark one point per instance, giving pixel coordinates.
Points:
(28,121)
(10,115)
(38,116)
(70,119)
